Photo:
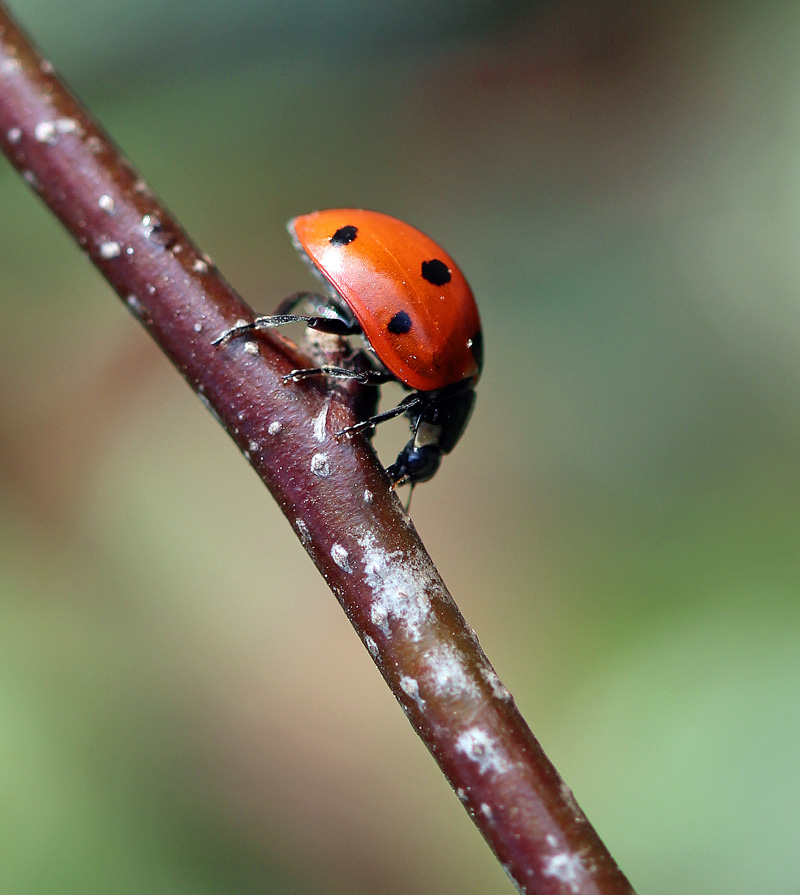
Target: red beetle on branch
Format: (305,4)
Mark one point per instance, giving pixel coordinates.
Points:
(406,296)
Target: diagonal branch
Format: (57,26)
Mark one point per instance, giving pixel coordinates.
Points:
(333,491)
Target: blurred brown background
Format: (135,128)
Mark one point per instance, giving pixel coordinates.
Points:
(183,706)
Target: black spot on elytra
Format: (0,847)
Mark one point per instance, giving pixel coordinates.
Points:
(476,347)
(435,272)
(400,324)
(344,235)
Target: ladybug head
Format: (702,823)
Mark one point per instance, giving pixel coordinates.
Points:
(415,464)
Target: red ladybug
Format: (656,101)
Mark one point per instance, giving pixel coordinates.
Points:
(406,296)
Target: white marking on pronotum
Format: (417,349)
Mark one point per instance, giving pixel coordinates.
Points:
(483,749)
(401,586)
(320,466)
(341,557)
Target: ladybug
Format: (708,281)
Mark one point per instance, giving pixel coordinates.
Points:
(406,296)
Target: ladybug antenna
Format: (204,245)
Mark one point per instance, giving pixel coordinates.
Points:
(410,495)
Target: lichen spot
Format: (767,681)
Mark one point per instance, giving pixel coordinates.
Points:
(107,204)
(410,687)
(447,673)
(45,132)
(14,135)
(344,235)
(110,249)
(9,66)
(274,427)
(251,347)
(436,272)
(341,557)
(401,586)
(320,465)
(371,646)
(67,126)
(567,868)
(319,423)
(498,690)
(50,132)
(380,618)
(135,306)
(483,749)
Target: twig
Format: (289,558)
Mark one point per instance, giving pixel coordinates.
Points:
(334,492)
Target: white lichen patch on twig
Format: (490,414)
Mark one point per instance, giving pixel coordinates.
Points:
(482,748)
(401,585)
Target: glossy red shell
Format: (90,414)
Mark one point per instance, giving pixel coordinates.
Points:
(412,302)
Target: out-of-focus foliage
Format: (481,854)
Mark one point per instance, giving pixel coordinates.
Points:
(183,707)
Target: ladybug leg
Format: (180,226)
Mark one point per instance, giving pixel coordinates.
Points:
(364,376)
(329,318)
(412,402)
(336,326)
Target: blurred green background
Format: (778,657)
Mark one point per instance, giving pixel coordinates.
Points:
(183,706)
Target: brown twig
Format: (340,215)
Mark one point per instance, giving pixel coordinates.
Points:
(334,492)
